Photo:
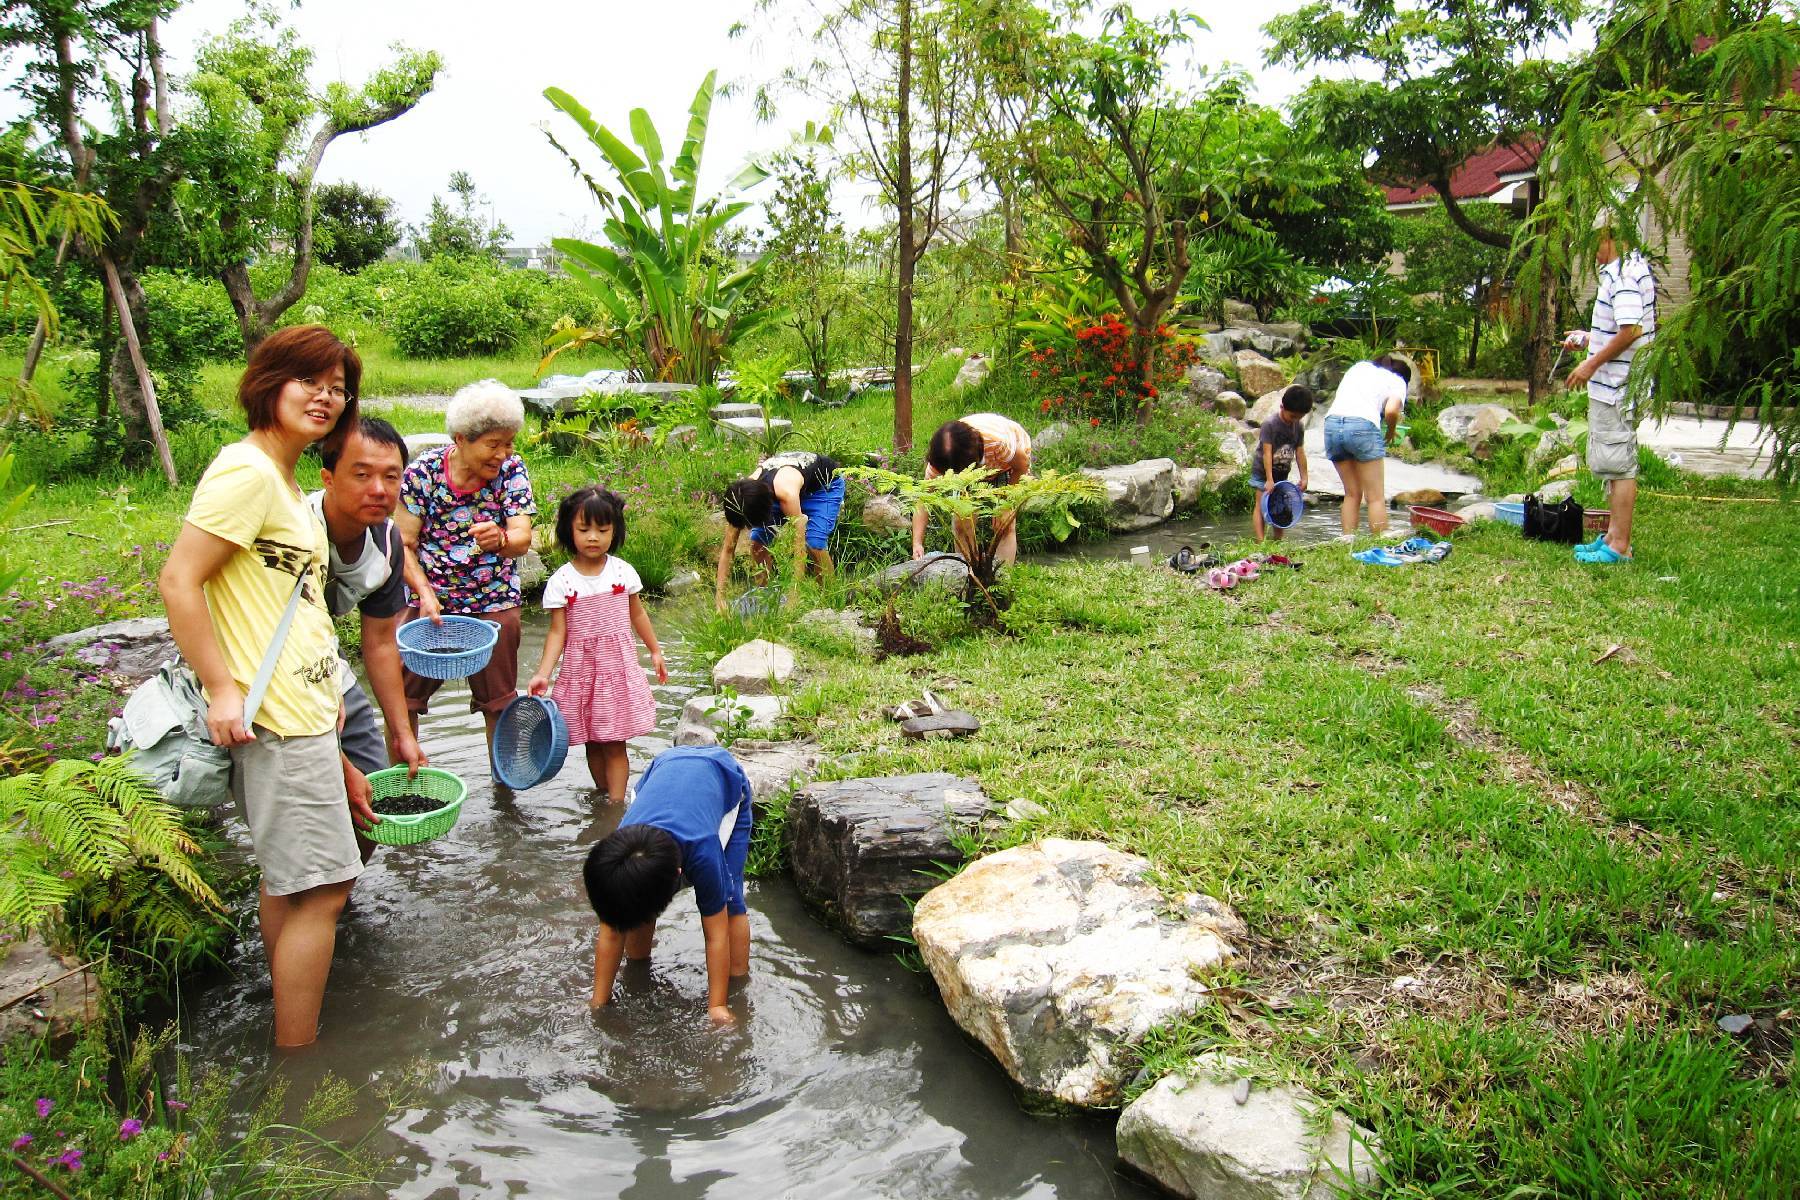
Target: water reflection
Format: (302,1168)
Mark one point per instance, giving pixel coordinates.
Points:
(473,955)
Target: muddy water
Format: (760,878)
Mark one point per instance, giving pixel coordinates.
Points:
(470,959)
(1320,523)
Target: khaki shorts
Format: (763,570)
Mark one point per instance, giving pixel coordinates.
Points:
(490,689)
(1612,451)
(290,792)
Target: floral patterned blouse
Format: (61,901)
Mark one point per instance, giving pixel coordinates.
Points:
(467,579)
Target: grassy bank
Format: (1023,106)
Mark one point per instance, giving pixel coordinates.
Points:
(1511,836)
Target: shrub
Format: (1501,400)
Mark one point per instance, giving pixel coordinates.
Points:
(451,314)
(190,320)
(1096,377)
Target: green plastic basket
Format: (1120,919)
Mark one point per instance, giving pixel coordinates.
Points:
(421,827)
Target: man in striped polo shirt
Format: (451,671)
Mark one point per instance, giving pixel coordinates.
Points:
(1623,324)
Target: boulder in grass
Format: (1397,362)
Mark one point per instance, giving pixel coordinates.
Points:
(1473,425)
(1139,494)
(1556,492)
(1209,1133)
(883,513)
(936,569)
(133,649)
(972,372)
(1049,435)
(758,667)
(1060,956)
(1190,484)
(1216,347)
(705,717)
(1205,382)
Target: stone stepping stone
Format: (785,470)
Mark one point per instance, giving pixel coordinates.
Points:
(754,668)
(861,849)
(941,725)
(723,412)
(749,428)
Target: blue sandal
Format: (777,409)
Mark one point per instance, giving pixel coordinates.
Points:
(1601,553)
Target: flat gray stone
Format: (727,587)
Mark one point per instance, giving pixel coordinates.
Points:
(419,443)
(860,849)
(721,412)
(841,625)
(936,569)
(66,1005)
(773,766)
(1138,495)
(941,725)
(704,717)
(1051,434)
(134,649)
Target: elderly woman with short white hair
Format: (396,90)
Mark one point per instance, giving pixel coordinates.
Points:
(465,513)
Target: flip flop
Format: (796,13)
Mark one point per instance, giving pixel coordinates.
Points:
(1282,560)
(1602,555)
(1221,578)
(1243,568)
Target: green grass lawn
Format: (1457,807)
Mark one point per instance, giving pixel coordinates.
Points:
(1511,835)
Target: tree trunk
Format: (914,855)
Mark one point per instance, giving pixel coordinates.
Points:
(908,251)
(1540,342)
(134,387)
(251,326)
(1481,288)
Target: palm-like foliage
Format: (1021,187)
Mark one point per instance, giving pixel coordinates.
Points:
(97,833)
(660,279)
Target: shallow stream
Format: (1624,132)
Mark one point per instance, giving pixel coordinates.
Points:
(471,957)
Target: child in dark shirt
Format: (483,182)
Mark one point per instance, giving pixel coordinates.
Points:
(690,823)
(1280,444)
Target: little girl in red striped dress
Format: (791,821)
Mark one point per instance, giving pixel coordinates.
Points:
(594,610)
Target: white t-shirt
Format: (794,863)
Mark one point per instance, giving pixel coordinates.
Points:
(568,582)
(1365,391)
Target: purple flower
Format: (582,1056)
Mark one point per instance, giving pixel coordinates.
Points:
(162,1156)
(175,1105)
(69,1159)
(22,1141)
(129,1128)
(45,1105)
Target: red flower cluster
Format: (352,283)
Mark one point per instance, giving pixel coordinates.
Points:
(1100,376)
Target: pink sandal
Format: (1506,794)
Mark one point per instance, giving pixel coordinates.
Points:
(1243,568)
(1221,578)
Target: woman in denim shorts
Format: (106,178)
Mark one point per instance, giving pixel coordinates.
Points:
(1358,428)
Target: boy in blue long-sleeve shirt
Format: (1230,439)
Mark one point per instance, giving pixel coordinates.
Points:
(690,824)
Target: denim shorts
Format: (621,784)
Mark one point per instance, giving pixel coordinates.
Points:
(821,508)
(1353,437)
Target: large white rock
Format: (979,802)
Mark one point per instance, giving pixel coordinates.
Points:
(1234,447)
(1474,425)
(885,513)
(754,669)
(1139,494)
(1266,406)
(1205,382)
(772,766)
(1258,375)
(1190,483)
(1051,434)
(1190,1134)
(703,717)
(1552,445)
(973,370)
(133,649)
(1060,955)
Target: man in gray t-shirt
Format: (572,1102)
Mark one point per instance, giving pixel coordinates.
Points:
(367,563)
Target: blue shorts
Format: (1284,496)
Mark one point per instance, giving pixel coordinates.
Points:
(821,508)
(1354,437)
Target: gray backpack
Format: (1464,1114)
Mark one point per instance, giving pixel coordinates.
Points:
(164,725)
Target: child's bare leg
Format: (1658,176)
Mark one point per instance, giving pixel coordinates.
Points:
(617,764)
(1256,517)
(639,941)
(596,760)
(739,928)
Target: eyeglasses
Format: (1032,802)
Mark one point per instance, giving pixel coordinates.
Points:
(317,389)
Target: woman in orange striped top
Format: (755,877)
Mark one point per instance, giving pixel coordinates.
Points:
(997,442)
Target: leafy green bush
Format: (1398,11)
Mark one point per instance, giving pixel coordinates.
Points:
(446,313)
(190,320)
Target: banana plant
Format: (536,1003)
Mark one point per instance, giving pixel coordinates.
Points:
(657,280)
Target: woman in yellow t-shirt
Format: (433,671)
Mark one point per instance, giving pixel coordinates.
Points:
(248,539)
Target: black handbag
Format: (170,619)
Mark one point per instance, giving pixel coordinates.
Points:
(1556,522)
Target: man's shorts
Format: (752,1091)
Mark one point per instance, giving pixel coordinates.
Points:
(490,689)
(1612,451)
(361,739)
(821,508)
(290,792)
(1353,438)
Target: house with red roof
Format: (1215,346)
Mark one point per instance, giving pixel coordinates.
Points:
(1503,174)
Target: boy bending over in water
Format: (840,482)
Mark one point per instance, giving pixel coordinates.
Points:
(689,826)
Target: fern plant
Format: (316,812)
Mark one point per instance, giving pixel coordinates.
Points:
(97,834)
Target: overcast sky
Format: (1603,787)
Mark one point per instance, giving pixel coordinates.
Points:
(485,115)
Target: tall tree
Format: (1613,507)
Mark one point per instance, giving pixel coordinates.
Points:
(258,134)
(895,72)
(1092,127)
(1683,124)
(459,231)
(77,52)
(1453,78)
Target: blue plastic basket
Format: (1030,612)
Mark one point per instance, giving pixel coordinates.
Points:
(1510,511)
(459,647)
(530,742)
(1284,505)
